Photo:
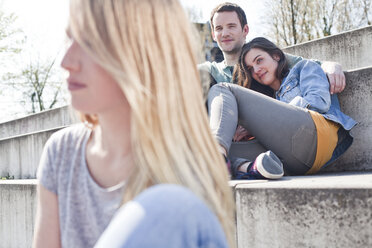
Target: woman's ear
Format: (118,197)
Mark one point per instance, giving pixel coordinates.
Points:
(276,57)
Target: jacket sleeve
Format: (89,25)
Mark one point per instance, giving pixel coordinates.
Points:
(314,88)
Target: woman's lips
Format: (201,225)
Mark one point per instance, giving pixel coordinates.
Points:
(75,86)
(262,75)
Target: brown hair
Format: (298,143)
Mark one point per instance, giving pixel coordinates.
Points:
(242,74)
(229,7)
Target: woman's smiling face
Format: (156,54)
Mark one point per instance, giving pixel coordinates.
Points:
(263,67)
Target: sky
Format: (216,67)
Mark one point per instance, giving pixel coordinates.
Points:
(42,21)
(43,24)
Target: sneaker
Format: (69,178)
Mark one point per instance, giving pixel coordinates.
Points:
(266,166)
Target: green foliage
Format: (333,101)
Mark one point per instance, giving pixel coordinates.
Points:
(7,177)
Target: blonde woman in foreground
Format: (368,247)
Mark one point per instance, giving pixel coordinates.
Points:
(145,143)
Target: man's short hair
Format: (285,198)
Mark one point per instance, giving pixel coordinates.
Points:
(229,7)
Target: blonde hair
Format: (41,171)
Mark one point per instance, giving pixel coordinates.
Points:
(148,47)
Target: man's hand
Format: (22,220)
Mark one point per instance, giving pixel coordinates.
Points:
(336,76)
(240,134)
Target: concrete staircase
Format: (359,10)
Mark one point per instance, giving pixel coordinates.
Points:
(332,209)
(21,144)
(22,141)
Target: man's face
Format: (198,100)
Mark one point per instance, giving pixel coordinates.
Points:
(228,32)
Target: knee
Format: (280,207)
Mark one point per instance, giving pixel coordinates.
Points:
(175,212)
(167,197)
(173,205)
(219,89)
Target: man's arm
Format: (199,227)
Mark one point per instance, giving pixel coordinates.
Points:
(206,78)
(336,76)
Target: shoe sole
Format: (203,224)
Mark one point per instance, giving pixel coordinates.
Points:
(269,165)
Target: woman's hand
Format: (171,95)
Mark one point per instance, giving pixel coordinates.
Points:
(241,134)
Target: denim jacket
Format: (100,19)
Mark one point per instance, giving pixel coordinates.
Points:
(306,86)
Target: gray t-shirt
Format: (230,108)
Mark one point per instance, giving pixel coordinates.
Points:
(85,208)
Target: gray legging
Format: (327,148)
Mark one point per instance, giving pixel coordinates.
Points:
(287,130)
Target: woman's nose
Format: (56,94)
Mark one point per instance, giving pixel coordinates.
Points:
(70,61)
(256,68)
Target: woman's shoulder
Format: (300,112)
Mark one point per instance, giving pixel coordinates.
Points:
(60,153)
(305,66)
(69,136)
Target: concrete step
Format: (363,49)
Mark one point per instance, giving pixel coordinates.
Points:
(17,215)
(48,119)
(351,49)
(333,210)
(330,210)
(356,101)
(20,155)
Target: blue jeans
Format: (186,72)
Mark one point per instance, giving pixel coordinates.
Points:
(164,215)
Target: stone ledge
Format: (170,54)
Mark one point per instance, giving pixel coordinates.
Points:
(18,208)
(47,119)
(340,180)
(20,155)
(18,182)
(351,49)
(331,210)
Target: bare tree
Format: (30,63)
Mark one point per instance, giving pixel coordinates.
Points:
(295,21)
(326,13)
(365,7)
(38,85)
(290,21)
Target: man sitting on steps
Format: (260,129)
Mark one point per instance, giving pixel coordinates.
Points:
(229,29)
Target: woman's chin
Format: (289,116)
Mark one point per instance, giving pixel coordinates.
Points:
(82,107)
